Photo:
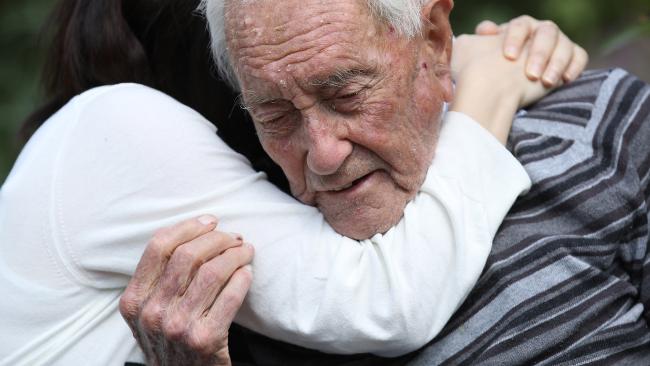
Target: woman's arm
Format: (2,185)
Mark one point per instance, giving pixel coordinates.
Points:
(137,161)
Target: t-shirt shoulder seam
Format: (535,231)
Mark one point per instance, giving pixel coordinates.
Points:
(63,248)
(60,239)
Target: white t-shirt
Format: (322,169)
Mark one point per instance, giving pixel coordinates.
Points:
(118,162)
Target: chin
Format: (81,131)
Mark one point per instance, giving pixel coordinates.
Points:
(362,223)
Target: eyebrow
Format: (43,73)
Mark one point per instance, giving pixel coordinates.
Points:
(248,100)
(341,78)
(253,100)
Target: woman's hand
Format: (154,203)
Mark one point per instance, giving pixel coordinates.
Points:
(185,293)
(552,56)
(490,88)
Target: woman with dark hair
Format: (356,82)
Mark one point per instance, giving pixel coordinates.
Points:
(162,44)
(112,162)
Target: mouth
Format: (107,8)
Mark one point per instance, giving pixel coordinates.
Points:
(354,184)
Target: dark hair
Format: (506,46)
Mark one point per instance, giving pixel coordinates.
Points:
(163,44)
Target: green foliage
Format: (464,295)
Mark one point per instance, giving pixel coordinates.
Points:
(602,26)
(586,21)
(20,22)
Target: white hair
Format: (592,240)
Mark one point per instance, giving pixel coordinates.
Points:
(403,15)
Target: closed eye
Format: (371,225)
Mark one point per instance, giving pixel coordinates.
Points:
(348,102)
(272,119)
(278,125)
(349,95)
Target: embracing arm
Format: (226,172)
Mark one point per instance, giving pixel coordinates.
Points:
(313,287)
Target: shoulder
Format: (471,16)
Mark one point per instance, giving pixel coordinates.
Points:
(126,118)
(127,103)
(576,102)
(571,113)
(131,158)
(135,130)
(129,93)
(578,121)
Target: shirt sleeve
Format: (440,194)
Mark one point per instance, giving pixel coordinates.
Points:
(137,160)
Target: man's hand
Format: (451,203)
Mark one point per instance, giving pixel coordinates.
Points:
(187,289)
(552,56)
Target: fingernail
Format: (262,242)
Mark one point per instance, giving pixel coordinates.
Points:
(567,77)
(236,236)
(250,246)
(550,77)
(207,220)
(511,52)
(248,268)
(535,70)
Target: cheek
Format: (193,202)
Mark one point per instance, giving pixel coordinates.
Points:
(417,124)
(376,124)
(288,156)
(427,102)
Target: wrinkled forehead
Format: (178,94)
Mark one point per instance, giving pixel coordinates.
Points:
(267,30)
(287,16)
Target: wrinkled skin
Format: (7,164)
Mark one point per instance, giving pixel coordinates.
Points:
(339,99)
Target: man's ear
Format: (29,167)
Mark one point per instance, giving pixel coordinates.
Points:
(438,39)
(437,29)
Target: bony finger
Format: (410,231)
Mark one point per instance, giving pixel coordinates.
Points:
(208,335)
(189,310)
(166,240)
(209,332)
(223,310)
(212,276)
(187,230)
(187,259)
(153,262)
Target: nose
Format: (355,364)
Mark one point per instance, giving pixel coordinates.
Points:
(328,146)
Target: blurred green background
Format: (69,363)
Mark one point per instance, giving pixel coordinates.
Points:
(616,33)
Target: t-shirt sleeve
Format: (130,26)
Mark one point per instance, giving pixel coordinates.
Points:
(137,160)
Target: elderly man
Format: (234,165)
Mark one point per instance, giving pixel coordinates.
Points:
(568,278)
(368,103)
